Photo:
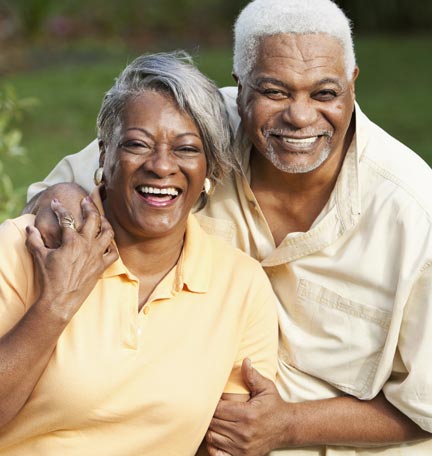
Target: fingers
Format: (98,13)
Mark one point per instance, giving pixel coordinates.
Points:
(35,244)
(215,442)
(47,224)
(92,218)
(91,225)
(34,240)
(106,237)
(254,381)
(64,217)
(230,410)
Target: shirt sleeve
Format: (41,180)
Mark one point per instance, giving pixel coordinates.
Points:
(78,168)
(16,272)
(410,386)
(259,341)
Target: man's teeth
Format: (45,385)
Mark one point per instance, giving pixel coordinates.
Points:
(158,191)
(310,140)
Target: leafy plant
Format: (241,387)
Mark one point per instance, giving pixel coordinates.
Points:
(12,110)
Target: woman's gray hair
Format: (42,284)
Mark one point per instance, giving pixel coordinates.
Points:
(174,75)
(262,18)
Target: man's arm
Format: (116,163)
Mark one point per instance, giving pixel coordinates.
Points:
(266,422)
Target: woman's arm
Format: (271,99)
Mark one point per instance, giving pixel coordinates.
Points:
(66,276)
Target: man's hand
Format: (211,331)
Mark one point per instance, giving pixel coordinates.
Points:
(266,422)
(70,195)
(251,428)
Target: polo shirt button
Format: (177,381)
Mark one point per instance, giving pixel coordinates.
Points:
(146,310)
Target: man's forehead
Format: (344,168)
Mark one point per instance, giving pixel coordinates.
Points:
(299,53)
(299,46)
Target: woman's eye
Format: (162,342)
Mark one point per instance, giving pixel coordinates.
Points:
(135,146)
(188,151)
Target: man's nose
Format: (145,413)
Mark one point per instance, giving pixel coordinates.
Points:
(300,113)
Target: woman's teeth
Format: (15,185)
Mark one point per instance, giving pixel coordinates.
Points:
(158,191)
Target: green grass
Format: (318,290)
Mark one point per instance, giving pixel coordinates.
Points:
(393,89)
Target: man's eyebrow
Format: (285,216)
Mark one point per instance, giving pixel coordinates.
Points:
(265,80)
(330,81)
(277,82)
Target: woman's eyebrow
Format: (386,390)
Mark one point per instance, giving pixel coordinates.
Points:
(142,130)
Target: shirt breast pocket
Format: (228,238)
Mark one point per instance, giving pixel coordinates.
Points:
(223,229)
(336,339)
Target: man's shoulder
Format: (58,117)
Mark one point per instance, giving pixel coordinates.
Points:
(229,95)
(220,233)
(395,164)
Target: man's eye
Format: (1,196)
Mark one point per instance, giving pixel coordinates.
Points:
(325,95)
(274,94)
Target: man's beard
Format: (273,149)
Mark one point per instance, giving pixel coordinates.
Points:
(274,158)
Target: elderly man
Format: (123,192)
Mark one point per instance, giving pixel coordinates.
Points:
(339,215)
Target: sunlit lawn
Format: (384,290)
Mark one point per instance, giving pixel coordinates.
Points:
(393,89)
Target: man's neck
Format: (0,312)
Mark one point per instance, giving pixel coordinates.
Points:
(292,201)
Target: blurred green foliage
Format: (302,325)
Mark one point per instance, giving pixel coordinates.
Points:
(393,89)
(70,51)
(192,19)
(11,111)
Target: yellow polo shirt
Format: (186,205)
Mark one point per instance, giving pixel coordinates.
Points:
(129,383)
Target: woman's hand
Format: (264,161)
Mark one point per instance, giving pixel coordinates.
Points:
(46,221)
(68,273)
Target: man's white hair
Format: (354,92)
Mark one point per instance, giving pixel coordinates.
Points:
(262,18)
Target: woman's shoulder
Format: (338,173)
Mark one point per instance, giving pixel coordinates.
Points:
(14,228)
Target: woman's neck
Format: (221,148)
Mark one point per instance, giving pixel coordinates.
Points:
(149,258)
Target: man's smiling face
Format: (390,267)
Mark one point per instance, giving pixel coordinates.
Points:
(296,105)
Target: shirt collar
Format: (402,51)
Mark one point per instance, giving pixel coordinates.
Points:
(342,211)
(195,264)
(346,193)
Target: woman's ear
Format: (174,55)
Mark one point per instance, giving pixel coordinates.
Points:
(102,153)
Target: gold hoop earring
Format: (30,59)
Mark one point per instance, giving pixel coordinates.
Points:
(208,186)
(98,176)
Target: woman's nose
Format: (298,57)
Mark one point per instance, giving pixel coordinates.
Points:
(161,162)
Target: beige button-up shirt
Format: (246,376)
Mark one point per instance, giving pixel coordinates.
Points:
(354,291)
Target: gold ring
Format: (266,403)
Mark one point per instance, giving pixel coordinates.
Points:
(69,222)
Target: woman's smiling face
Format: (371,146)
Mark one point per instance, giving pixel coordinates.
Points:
(155,168)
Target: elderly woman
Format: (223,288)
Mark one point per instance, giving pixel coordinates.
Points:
(124,346)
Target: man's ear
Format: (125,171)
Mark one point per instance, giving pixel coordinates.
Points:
(237,81)
(353,79)
(102,153)
(239,89)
